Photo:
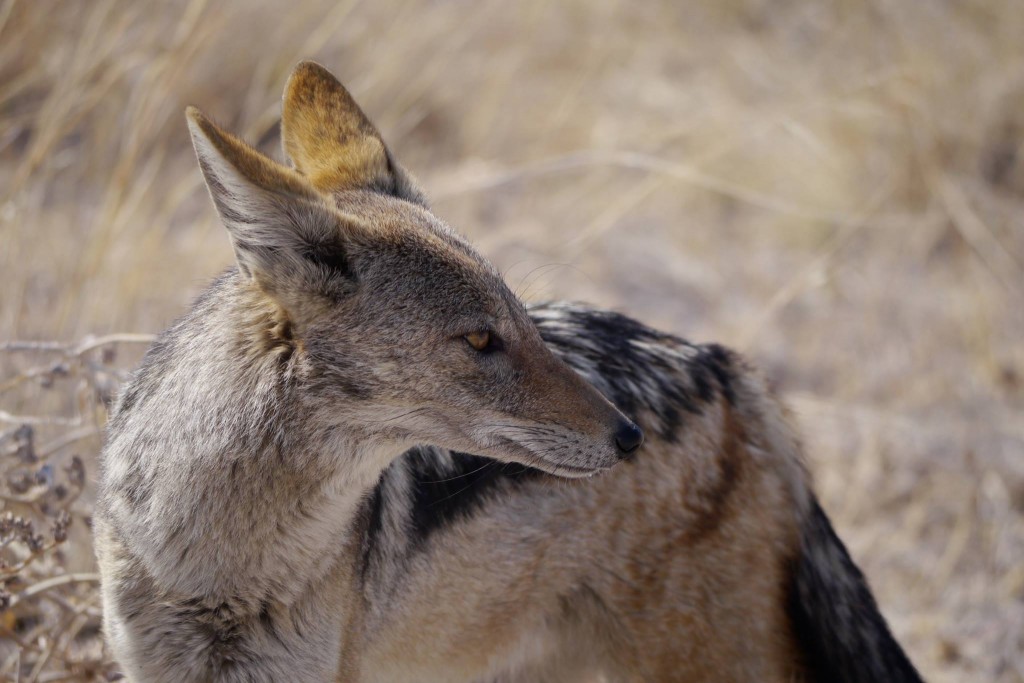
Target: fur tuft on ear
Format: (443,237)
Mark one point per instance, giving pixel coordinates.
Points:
(286,237)
(332,142)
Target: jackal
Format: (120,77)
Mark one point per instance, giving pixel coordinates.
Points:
(360,458)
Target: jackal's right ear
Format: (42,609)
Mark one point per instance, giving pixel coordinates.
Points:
(285,236)
(333,143)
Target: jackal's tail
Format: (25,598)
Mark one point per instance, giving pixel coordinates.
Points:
(836,621)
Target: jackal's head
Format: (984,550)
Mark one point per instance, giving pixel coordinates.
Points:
(397,328)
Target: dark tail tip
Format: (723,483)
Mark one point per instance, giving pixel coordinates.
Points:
(836,622)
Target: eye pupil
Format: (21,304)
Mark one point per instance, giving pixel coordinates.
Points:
(479,340)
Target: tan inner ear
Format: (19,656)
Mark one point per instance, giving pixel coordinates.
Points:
(249,163)
(328,137)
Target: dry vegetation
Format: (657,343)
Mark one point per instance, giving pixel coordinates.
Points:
(836,188)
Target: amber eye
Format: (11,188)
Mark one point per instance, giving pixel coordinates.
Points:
(480,340)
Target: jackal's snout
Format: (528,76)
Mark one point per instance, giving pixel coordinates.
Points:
(586,430)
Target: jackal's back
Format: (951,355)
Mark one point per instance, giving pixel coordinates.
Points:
(701,559)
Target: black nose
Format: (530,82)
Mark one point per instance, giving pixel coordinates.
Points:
(628,437)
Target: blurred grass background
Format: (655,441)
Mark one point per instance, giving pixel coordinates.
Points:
(834,188)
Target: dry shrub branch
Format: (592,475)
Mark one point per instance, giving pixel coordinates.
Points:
(50,615)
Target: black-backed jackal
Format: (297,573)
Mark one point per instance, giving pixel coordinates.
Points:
(268,513)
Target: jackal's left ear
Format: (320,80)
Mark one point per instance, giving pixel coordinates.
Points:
(287,238)
(332,142)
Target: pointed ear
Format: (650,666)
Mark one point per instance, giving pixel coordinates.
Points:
(332,142)
(285,236)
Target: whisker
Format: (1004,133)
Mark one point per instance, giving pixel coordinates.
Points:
(398,417)
(464,488)
(487,464)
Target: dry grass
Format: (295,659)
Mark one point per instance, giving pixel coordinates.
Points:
(836,188)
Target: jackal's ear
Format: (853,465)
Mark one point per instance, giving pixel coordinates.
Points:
(285,235)
(332,142)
